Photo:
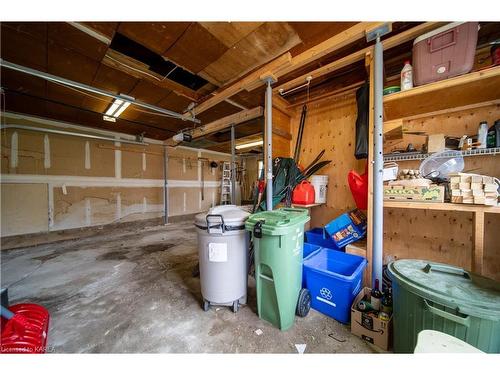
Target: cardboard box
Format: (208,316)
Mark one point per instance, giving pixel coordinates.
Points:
(436,143)
(369,327)
(432,193)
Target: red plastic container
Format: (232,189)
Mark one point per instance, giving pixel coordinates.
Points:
(27,331)
(359,188)
(303,193)
(445,52)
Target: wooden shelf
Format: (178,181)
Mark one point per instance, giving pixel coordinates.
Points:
(443,206)
(306,205)
(476,87)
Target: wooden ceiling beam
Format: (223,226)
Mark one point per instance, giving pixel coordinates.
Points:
(246,139)
(246,83)
(136,69)
(222,124)
(394,41)
(286,64)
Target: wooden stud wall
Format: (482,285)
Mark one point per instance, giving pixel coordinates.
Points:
(78,182)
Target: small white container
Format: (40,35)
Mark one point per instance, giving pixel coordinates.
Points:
(482,134)
(407,77)
(320,183)
(390,171)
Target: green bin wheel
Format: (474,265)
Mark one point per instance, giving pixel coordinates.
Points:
(303,303)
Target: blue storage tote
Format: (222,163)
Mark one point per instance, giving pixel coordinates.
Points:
(309,249)
(334,279)
(318,236)
(347,228)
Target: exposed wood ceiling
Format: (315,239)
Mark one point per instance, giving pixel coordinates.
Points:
(218,52)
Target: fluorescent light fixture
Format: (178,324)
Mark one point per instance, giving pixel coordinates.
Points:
(109,118)
(117,107)
(251,144)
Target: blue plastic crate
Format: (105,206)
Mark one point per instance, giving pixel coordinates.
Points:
(308,250)
(318,236)
(347,228)
(334,279)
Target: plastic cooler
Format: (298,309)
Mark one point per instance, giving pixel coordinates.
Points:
(445,52)
(444,298)
(334,279)
(318,236)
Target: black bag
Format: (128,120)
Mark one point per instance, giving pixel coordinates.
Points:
(362,99)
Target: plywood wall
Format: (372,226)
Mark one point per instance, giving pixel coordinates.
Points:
(281,134)
(436,235)
(54,182)
(330,125)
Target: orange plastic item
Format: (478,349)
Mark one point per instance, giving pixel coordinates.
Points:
(303,193)
(359,188)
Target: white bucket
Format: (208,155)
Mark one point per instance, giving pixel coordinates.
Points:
(320,183)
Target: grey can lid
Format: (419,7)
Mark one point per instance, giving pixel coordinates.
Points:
(233,215)
(449,285)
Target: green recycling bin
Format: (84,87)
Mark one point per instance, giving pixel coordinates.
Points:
(278,238)
(440,297)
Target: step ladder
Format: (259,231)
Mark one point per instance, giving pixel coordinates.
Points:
(226,187)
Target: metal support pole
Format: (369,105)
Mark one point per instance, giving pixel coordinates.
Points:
(269,145)
(165,185)
(233,166)
(378,166)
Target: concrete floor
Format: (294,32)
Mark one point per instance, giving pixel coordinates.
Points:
(130,291)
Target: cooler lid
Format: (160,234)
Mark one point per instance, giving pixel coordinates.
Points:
(233,216)
(277,221)
(439,30)
(448,285)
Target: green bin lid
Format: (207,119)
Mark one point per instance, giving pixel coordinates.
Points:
(447,285)
(278,222)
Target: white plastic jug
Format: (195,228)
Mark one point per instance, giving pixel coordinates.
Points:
(320,183)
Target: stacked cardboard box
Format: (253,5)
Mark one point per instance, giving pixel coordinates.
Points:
(473,189)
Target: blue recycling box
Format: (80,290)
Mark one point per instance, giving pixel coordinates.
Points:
(334,279)
(318,236)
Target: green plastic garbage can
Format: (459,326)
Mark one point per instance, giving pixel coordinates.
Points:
(278,238)
(440,297)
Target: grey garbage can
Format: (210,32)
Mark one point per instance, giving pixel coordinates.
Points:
(223,256)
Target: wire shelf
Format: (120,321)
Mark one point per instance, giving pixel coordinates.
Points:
(413,156)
